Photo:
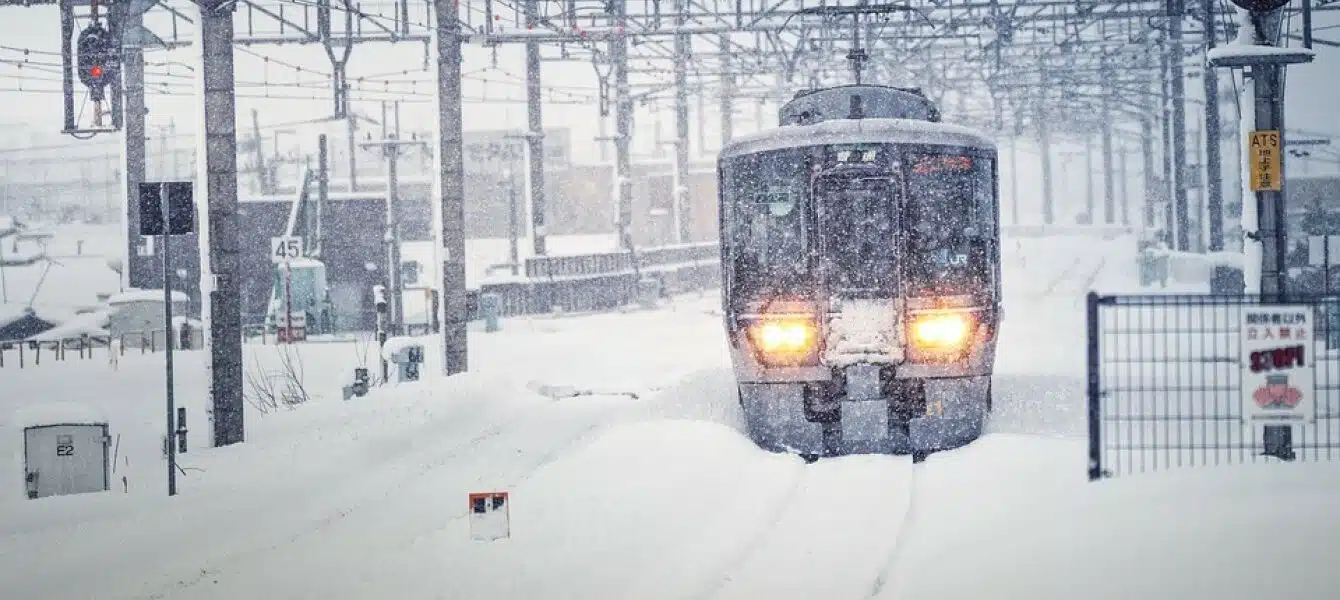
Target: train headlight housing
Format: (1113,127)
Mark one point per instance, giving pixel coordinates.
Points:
(941,334)
(784,341)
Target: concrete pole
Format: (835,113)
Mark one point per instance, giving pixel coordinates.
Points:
(132,73)
(535,135)
(681,189)
(623,127)
(451,186)
(727,91)
(1109,181)
(1214,190)
(216,187)
(1178,82)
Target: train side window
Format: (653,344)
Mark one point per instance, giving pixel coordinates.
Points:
(984,197)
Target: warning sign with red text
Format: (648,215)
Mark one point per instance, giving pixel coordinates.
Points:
(1278,369)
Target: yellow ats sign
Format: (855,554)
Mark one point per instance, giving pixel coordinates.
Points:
(1267,163)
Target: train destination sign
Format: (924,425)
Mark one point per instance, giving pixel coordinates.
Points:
(1278,368)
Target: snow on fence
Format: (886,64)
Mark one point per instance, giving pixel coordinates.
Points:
(31,353)
(602,281)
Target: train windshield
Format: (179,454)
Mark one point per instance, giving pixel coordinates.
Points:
(767,196)
(950,214)
(859,224)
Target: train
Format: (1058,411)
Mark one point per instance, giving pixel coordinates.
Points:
(861,274)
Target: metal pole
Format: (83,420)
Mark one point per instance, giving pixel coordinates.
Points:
(451,178)
(623,126)
(1014,180)
(218,154)
(680,193)
(167,356)
(1214,185)
(535,136)
(288,301)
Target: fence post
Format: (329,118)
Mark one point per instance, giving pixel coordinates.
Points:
(1094,388)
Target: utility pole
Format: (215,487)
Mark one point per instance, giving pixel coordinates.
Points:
(391,146)
(534,136)
(727,91)
(1045,153)
(1214,190)
(623,126)
(220,285)
(1109,183)
(450,171)
(1266,125)
(1123,184)
(1176,79)
(1090,207)
(132,72)
(681,188)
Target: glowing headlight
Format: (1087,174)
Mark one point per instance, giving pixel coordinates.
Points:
(941,331)
(784,337)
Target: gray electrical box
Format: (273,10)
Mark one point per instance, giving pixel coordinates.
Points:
(65,458)
(408,358)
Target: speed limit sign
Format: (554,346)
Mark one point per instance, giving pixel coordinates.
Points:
(285,248)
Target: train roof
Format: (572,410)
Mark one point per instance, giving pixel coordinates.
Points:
(857,131)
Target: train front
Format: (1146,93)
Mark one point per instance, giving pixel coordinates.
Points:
(861,292)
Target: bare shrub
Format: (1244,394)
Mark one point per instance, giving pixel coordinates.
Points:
(269,388)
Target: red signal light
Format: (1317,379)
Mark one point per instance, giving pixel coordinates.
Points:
(95,71)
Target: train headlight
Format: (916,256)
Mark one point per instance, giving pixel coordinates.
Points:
(783,342)
(941,331)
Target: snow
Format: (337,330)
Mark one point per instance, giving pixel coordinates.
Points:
(858,333)
(1236,50)
(838,131)
(129,296)
(10,313)
(621,445)
(1226,533)
(399,343)
(52,413)
(90,324)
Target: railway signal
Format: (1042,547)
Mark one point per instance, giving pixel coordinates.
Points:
(98,60)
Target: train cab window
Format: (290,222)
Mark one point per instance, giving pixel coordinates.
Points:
(950,220)
(766,201)
(858,222)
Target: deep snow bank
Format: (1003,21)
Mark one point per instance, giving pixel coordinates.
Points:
(1031,527)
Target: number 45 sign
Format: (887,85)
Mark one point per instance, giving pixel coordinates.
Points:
(285,248)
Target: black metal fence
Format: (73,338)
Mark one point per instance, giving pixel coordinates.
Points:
(1167,376)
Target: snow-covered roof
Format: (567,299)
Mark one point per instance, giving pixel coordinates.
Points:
(91,324)
(55,413)
(146,296)
(10,313)
(857,131)
(396,344)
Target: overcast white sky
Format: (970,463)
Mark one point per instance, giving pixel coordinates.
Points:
(1312,89)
